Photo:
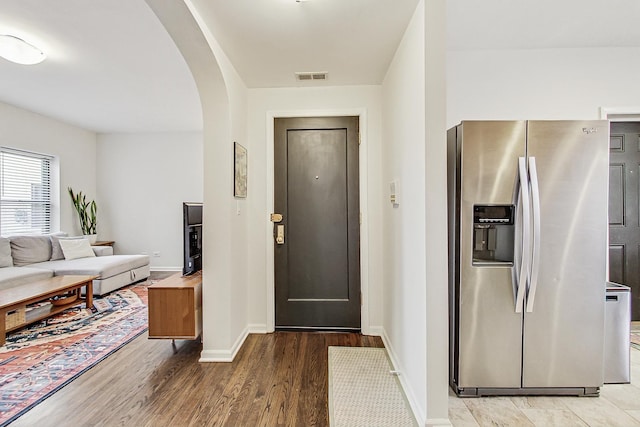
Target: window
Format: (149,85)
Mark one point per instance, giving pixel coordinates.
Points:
(25,192)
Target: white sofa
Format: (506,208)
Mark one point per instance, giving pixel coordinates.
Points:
(25,259)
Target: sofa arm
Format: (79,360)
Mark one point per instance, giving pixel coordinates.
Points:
(102,250)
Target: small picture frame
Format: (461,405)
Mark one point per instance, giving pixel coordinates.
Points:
(239,171)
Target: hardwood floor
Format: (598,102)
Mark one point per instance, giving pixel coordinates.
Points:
(276,379)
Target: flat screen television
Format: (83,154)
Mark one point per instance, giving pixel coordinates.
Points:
(192,237)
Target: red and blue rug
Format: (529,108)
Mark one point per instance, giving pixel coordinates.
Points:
(42,358)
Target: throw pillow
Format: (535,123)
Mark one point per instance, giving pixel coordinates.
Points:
(5,253)
(76,248)
(56,250)
(30,249)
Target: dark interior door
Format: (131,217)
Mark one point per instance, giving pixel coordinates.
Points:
(624,218)
(317,262)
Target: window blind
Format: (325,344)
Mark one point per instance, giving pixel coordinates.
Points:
(25,192)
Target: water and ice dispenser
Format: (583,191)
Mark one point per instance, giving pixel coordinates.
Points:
(493,234)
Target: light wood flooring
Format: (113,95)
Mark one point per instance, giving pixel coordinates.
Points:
(277,379)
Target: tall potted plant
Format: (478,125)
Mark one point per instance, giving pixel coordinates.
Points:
(86,213)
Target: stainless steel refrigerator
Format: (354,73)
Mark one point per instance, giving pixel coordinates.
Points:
(528,203)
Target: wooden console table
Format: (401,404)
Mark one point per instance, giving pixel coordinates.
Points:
(15,300)
(104,243)
(175,307)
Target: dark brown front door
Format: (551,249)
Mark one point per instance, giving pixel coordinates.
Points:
(624,218)
(317,261)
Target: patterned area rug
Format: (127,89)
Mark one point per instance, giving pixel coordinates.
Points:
(363,391)
(42,358)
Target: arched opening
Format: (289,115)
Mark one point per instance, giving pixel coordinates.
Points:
(181,24)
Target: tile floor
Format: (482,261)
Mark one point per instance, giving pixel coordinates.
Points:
(618,405)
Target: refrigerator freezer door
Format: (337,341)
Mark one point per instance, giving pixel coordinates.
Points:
(490,331)
(563,335)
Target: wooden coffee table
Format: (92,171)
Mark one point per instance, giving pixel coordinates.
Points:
(19,297)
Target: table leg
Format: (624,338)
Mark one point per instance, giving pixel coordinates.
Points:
(3,330)
(89,294)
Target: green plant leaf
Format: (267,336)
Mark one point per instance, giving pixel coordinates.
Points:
(86,211)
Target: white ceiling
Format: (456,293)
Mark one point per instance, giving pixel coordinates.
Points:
(112,67)
(541,24)
(268,40)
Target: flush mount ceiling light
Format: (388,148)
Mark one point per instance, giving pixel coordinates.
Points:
(16,50)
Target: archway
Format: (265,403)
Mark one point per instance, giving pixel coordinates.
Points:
(179,19)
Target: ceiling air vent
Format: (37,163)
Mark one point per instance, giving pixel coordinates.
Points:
(317,75)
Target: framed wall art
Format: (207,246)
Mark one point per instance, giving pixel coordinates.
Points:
(239,171)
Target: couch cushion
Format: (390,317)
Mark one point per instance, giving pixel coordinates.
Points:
(56,250)
(102,250)
(5,253)
(102,266)
(76,248)
(30,249)
(15,276)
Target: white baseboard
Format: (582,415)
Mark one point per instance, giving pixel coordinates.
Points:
(373,331)
(408,391)
(438,422)
(258,328)
(215,356)
(224,355)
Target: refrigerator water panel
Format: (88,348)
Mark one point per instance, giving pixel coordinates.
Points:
(493,235)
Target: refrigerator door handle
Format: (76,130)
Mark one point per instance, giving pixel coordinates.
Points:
(535,258)
(523,187)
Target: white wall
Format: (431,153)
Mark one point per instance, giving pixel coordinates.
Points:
(237,218)
(404,254)
(282,102)
(540,84)
(75,149)
(436,239)
(142,181)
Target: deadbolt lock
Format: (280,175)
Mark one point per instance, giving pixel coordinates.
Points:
(280,234)
(276,217)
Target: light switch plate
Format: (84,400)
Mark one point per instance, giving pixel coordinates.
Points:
(394,193)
